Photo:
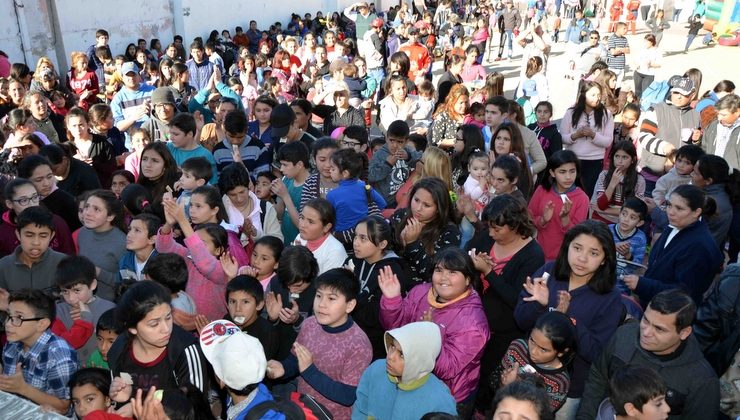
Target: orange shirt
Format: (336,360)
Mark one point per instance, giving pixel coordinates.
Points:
(418,54)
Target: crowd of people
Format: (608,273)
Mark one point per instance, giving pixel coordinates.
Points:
(214,232)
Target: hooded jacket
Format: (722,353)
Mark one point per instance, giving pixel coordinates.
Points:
(464,334)
(382,396)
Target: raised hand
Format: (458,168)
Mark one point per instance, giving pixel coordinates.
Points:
(229,265)
(149,407)
(567,205)
(388,282)
(200,322)
(120,391)
(538,290)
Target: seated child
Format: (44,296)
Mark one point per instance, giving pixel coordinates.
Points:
(391,165)
(352,199)
(630,241)
(546,131)
(196,172)
(425,107)
(171,271)
(41,361)
(355,137)
(76,277)
(89,389)
(546,353)
(331,351)
(290,295)
(417,142)
(402,385)
(476,115)
(635,393)
(140,240)
(317,224)
(105,336)
(183,145)
(245,299)
(120,179)
(686,158)
(239,364)
(263,263)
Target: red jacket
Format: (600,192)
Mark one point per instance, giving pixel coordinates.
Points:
(62,241)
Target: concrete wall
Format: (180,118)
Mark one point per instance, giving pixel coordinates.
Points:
(34,28)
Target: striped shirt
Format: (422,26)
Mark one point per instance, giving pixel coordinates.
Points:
(616,62)
(255,155)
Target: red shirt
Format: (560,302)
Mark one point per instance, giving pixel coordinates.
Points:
(418,54)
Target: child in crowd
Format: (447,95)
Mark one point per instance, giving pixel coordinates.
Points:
(505,173)
(546,353)
(476,115)
(263,182)
(120,179)
(184,144)
(89,391)
(317,222)
(101,122)
(238,146)
(245,299)
(294,165)
(391,165)
(402,385)
(355,137)
(352,199)
(171,271)
(35,354)
(477,188)
(289,298)
(101,239)
(617,183)
(635,393)
(105,336)
(627,129)
(202,250)
(331,351)
(546,131)
(680,173)
(196,172)
(558,203)
(140,240)
(422,116)
(376,144)
(264,261)
(75,277)
(139,139)
(630,241)
(373,248)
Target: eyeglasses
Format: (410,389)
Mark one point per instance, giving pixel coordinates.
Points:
(350,143)
(24,201)
(17,320)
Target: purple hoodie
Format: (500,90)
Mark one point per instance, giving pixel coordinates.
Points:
(464,334)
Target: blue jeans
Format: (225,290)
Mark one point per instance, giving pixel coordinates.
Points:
(689,40)
(467,230)
(569,409)
(377,74)
(676,14)
(508,33)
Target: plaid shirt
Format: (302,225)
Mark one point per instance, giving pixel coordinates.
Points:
(47,366)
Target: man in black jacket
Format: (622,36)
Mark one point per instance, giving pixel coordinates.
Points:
(663,340)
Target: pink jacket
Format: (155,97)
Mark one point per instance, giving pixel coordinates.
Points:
(464,329)
(206,278)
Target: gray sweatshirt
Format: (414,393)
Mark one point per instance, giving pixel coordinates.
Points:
(97,307)
(104,250)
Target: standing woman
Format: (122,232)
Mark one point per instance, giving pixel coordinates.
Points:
(398,104)
(581,286)
(506,254)
(657,24)
(588,129)
(450,116)
(648,60)
(425,227)
(92,149)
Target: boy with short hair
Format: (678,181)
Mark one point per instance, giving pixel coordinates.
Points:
(238,146)
(391,165)
(425,107)
(355,137)
(402,385)
(245,299)
(680,174)
(171,271)
(293,159)
(331,351)
(105,336)
(37,365)
(630,241)
(635,393)
(196,171)
(33,263)
(75,277)
(184,144)
(140,241)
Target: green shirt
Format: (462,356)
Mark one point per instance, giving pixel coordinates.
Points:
(290,230)
(96,360)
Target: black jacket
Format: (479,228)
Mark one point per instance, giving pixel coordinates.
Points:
(717,325)
(693,388)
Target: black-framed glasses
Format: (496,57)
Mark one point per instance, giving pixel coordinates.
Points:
(350,143)
(17,320)
(24,201)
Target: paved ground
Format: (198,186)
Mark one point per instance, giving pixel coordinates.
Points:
(716,63)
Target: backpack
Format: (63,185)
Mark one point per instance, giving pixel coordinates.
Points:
(656,93)
(297,407)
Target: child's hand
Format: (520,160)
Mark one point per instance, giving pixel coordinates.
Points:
(249,229)
(275,369)
(200,120)
(548,211)
(83,307)
(149,407)
(278,188)
(229,265)
(616,178)
(631,281)
(538,290)
(510,375)
(14,383)
(567,205)
(74,312)
(273,305)
(169,218)
(236,155)
(290,315)
(120,391)
(563,301)
(200,322)
(249,271)
(623,248)
(305,358)
(388,282)
(411,231)
(177,212)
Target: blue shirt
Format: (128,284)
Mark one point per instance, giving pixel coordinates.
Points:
(47,366)
(350,202)
(253,129)
(124,102)
(181,156)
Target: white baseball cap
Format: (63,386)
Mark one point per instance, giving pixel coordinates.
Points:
(238,359)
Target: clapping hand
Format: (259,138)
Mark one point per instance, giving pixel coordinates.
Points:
(563,301)
(538,290)
(411,231)
(548,211)
(305,358)
(273,305)
(482,262)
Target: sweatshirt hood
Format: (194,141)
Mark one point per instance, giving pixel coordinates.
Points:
(421,343)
